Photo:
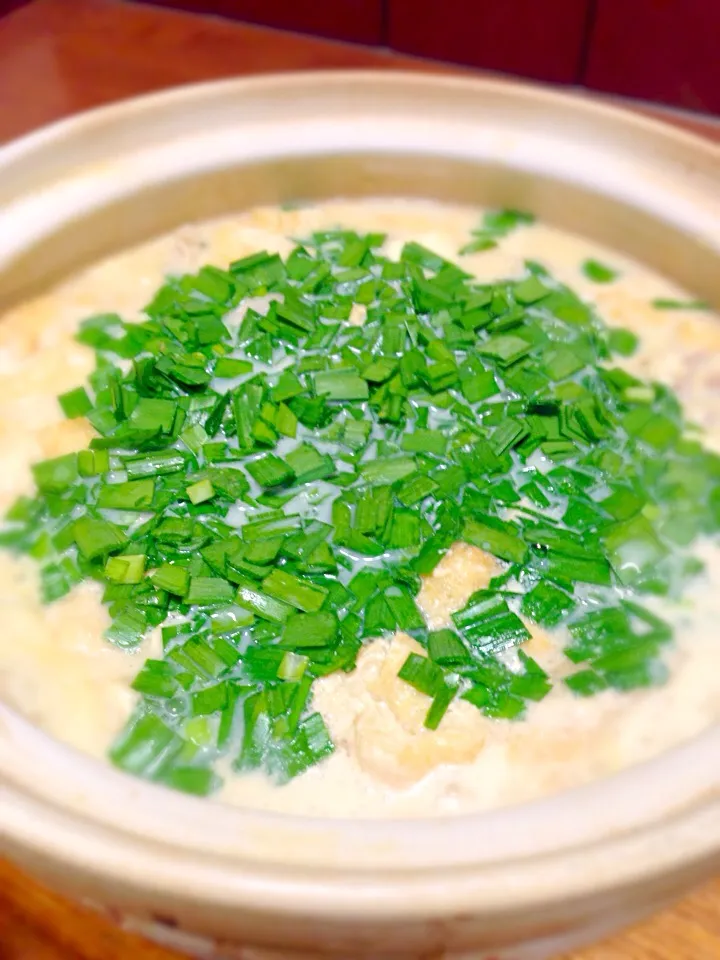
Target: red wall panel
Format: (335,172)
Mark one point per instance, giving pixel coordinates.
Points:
(543,39)
(360,21)
(7,6)
(666,50)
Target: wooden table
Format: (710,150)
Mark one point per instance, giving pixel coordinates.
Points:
(61,56)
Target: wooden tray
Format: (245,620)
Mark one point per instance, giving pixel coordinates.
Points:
(36,924)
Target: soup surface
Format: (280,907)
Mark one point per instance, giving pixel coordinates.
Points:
(59,671)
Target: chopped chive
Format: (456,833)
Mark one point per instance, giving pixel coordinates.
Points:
(270,471)
(125,569)
(387,470)
(175,579)
(294,590)
(531,290)
(341,385)
(209,699)
(422,674)
(488,624)
(285,421)
(439,707)
(585,683)
(258,602)
(155,464)
(308,465)
(624,342)
(505,348)
(56,476)
(497,537)
(303,630)
(228,367)
(425,441)
(378,617)
(201,491)
(128,628)
(495,225)
(75,403)
(199,781)
(228,482)
(666,303)
(598,272)
(415,488)
(547,604)
(92,463)
(403,608)
(293,666)
(97,538)
(209,590)
(142,744)
(446,648)
(131,495)
(156,679)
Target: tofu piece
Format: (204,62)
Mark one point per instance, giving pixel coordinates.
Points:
(378,718)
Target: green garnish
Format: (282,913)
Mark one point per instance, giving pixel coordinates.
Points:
(488,625)
(598,272)
(75,403)
(496,225)
(270,495)
(665,303)
(623,342)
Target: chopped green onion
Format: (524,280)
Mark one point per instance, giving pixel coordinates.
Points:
(446,648)
(270,471)
(174,579)
(303,630)
(496,537)
(201,491)
(666,303)
(131,495)
(75,403)
(126,568)
(387,470)
(209,590)
(228,367)
(155,464)
(56,476)
(547,604)
(598,272)
(97,538)
(156,679)
(422,674)
(341,385)
(294,590)
(488,624)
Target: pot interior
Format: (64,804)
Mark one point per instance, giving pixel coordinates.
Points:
(154,208)
(632,185)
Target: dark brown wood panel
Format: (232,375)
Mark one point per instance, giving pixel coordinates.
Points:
(5,7)
(110,49)
(542,39)
(663,50)
(360,21)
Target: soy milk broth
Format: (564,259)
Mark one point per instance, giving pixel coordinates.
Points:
(56,668)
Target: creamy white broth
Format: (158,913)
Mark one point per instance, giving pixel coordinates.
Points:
(56,667)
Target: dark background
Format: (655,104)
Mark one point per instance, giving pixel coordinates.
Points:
(662,51)
(666,51)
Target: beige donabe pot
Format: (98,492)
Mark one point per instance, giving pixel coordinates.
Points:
(521,884)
